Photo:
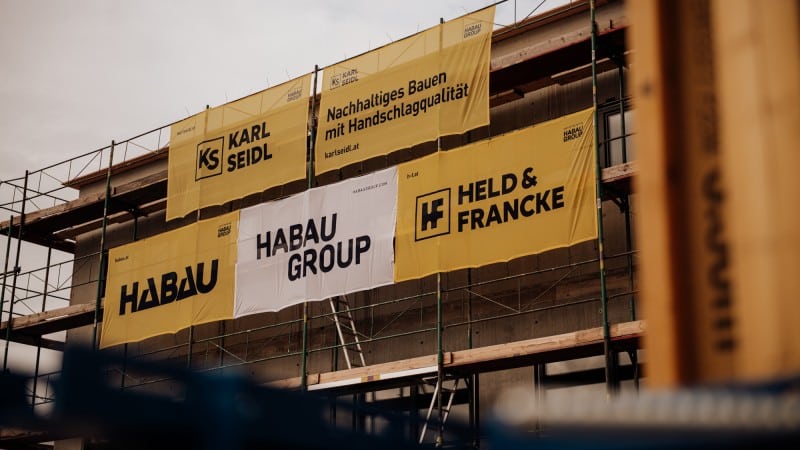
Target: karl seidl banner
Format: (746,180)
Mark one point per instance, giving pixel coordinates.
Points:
(170,281)
(237,149)
(318,244)
(431,84)
(518,194)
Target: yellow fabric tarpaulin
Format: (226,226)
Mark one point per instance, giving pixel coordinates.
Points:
(240,148)
(517,194)
(431,84)
(170,281)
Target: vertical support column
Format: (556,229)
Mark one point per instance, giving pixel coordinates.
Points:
(5,271)
(439,321)
(622,130)
(475,409)
(684,242)
(125,346)
(310,146)
(189,346)
(627,199)
(757,49)
(439,358)
(539,375)
(414,412)
(634,357)
(101,277)
(473,380)
(609,360)
(39,338)
(16,270)
(312,134)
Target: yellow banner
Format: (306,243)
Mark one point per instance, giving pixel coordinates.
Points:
(433,83)
(171,281)
(517,194)
(239,148)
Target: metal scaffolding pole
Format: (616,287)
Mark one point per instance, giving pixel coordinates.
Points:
(6,272)
(135,237)
(439,358)
(609,361)
(101,276)
(39,339)
(16,270)
(310,146)
(627,200)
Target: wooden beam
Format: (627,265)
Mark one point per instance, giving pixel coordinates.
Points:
(685,265)
(125,166)
(757,47)
(620,172)
(144,210)
(51,321)
(517,354)
(625,335)
(552,45)
(34,341)
(376,372)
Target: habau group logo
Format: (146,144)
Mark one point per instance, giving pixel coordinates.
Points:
(573,132)
(472,29)
(432,215)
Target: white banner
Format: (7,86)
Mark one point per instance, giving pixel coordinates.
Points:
(324,242)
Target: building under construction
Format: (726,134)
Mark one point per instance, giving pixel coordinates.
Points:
(438,351)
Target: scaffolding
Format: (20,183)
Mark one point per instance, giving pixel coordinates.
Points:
(419,347)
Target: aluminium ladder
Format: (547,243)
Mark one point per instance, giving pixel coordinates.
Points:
(346,328)
(439,389)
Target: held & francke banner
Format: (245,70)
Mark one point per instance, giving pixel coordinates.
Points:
(318,244)
(431,84)
(518,194)
(239,148)
(170,281)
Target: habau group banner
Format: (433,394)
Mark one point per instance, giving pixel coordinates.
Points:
(170,281)
(318,244)
(239,148)
(521,193)
(431,84)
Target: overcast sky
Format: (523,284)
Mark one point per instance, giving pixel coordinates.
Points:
(76,74)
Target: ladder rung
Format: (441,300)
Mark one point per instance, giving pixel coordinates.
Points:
(432,380)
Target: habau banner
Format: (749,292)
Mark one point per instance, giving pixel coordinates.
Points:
(237,149)
(321,243)
(170,281)
(517,194)
(431,84)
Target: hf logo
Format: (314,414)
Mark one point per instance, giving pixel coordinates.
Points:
(209,158)
(432,216)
